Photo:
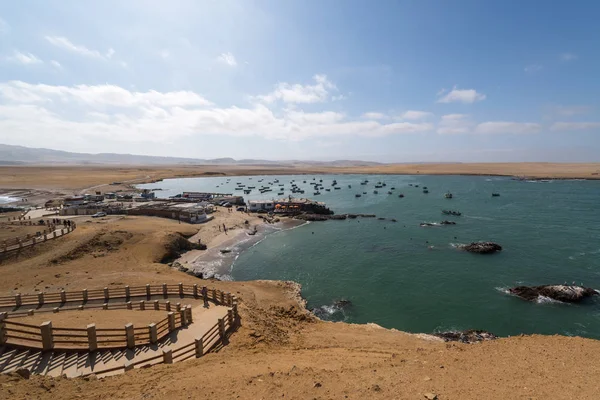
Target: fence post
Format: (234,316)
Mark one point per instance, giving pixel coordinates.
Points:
(171,317)
(230,316)
(148,291)
(195,291)
(165,290)
(214,294)
(2,327)
(222,297)
(127,293)
(222,330)
(63,296)
(33,241)
(92,338)
(30,312)
(182,317)
(129,305)
(188,312)
(130,336)
(41,298)
(142,305)
(167,356)
(153,333)
(18,301)
(80,308)
(106,297)
(235,313)
(199,347)
(54,234)
(180,289)
(84,295)
(178,307)
(168,305)
(105,306)
(55,310)
(156,305)
(229,299)
(46,332)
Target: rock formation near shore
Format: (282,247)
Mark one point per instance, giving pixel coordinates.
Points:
(564,293)
(481,247)
(468,336)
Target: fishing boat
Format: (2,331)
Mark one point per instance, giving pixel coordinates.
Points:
(401,195)
(495,194)
(450,212)
(364,192)
(389,192)
(375,192)
(393,188)
(280,194)
(337,188)
(317,193)
(357,195)
(448,195)
(378,186)
(328,190)
(425,191)
(349,186)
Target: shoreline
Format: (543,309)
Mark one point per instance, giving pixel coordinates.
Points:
(212,263)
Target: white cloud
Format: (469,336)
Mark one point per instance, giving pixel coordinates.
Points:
(56,64)
(297,93)
(24,58)
(66,44)
(99,95)
(227,58)
(164,54)
(569,111)
(533,68)
(568,56)
(374,115)
(500,127)
(454,124)
(574,126)
(415,115)
(457,95)
(108,112)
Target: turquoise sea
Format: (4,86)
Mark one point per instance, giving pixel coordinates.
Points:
(550,233)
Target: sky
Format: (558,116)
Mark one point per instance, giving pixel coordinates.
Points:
(387,81)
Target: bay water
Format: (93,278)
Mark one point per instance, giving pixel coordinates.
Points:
(412,278)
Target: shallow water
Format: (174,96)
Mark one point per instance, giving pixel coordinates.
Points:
(550,233)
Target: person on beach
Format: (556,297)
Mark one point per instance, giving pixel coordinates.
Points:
(205,296)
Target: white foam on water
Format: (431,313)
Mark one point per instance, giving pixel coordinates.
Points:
(547,300)
(7,199)
(504,290)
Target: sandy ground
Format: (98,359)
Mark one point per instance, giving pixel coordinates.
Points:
(76,179)
(102,318)
(10,231)
(282,351)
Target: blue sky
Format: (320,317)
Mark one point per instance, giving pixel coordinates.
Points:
(391,81)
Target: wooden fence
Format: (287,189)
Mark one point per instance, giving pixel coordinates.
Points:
(216,336)
(46,337)
(49,232)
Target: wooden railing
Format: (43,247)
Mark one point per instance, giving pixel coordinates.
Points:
(51,231)
(46,337)
(116,293)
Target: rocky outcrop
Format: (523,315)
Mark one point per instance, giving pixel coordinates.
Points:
(468,336)
(481,247)
(564,293)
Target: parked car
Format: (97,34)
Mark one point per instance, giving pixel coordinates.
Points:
(99,214)
(241,209)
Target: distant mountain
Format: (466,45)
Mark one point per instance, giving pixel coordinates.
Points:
(20,155)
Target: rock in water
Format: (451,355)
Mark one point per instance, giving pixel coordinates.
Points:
(468,336)
(564,293)
(482,247)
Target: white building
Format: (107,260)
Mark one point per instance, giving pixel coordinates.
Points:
(257,205)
